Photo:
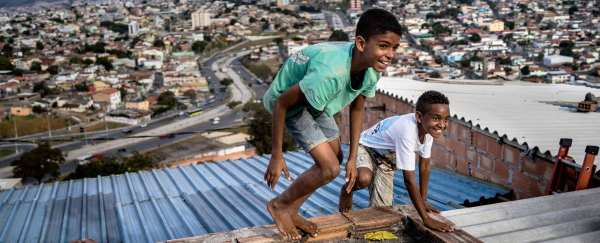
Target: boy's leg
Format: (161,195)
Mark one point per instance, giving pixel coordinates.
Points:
(326,168)
(381,191)
(301,222)
(364,166)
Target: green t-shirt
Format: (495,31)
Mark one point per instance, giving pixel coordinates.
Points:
(323,73)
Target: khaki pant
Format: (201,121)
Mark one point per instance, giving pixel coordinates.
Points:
(381,163)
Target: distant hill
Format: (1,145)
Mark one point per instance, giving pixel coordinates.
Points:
(26,3)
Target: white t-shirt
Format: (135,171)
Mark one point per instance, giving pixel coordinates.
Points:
(399,133)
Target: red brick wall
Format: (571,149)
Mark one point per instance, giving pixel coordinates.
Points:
(470,150)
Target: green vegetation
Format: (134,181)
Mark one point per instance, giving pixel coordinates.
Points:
(259,129)
(233,104)
(30,125)
(338,35)
(226,82)
(116,27)
(40,163)
(6,152)
(105,166)
(199,46)
(5,63)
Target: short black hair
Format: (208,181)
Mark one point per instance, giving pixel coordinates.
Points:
(377,21)
(429,98)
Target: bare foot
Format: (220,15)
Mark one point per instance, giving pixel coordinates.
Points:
(283,221)
(305,225)
(345,204)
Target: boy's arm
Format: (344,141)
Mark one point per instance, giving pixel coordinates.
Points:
(424,171)
(356,120)
(286,100)
(415,197)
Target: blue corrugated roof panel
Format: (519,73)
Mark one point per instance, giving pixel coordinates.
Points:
(185,201)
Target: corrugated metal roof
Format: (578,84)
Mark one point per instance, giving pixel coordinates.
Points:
(515,109)
(565,217)
(185,201)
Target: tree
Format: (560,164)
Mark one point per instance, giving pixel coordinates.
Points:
(5,63)
(138,162)
(105,62)
(39,45)
(53,70)
(233,104)
(123,92)
(566,48)
(39,163)
(525,70)
(259,129)
(573,9)
(41,88)
(190,93)
(36,67)
(226,82)
(510,25)
(105,166)
(438,29)
(81,87)
(167,99)
(475,38)
(158,43)
(338,35)
(199,46)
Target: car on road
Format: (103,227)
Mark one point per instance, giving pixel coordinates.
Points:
(216,120)
(143,124)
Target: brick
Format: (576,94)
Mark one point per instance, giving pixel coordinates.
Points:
(501,170)
(453,130)
(526,186)
(480,141)
(464,133)
(481,174)
(442,141)
(494,149)
(471,154)
(500,174)
(511,154)
(485,163)
(440,156)
(532,167)
(459,149)
(463,167)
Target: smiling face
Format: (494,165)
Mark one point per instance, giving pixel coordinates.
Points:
(379,50)
(435,121)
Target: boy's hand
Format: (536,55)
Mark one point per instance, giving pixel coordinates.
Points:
(276,165)
(435,224)
(350,175)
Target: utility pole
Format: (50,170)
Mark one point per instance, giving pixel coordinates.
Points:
(49,127)
(16,134)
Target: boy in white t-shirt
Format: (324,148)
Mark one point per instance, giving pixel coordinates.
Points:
(395,143)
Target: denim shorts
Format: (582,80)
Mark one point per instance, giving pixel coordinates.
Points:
(310,128)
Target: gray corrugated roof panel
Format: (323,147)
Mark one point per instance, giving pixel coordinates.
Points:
(566,217)
(185,201)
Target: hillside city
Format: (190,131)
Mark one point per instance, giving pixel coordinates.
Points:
(145,84)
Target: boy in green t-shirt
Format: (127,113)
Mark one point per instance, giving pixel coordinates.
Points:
(311,86)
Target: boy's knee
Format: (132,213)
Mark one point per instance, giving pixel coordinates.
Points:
(364,180)
(331,171)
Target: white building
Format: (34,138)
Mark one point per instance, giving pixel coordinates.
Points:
(557,60)
(134,28)
(282,3)
(556,77)
(200,18)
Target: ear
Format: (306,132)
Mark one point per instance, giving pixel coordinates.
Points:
(419,117)
(360,43)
